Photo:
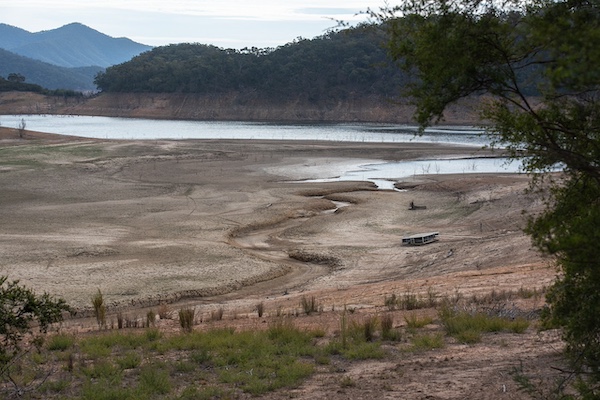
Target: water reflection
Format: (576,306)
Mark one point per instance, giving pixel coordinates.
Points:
(147,129)
(385,174)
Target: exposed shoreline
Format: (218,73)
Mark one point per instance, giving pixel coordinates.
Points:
(229,107)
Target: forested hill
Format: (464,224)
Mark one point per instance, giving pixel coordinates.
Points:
(334,66)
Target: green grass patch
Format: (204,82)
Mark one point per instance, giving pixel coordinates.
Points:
(129,360)
(220,363)
(467,327)
(60,342)
(425,341)
(413,321)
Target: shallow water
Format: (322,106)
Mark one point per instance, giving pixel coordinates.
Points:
(384,174)
(147,129)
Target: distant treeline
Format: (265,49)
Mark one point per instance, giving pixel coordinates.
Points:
(18,85)
(336,65)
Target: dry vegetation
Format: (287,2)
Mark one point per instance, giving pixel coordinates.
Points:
(210,238)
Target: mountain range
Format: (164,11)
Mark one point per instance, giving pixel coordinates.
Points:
(68,57)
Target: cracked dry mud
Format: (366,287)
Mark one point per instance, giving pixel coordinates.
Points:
(212,224)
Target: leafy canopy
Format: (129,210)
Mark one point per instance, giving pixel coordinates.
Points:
(533,65)
(20,308)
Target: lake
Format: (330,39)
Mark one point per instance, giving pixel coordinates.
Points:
(380,172)
(148,129)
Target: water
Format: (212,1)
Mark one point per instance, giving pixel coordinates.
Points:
(385,174)
(382,173)
(147,129)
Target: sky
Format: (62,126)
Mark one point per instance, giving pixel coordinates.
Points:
(228,24)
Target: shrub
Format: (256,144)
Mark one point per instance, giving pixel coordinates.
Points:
(186,319)
(369,328)
(414,322)
(309,305)
(164,312)
(467,327)
(150,318)
(99,308)
(260,309)
(129,360)
(155,380)
(427,341)
(60,342)
(387,328)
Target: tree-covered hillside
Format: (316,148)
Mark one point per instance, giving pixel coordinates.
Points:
(335,65)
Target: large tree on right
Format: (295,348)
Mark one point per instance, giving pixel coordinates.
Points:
(534,67)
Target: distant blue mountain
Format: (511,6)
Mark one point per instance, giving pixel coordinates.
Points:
(65,58)
(48,75)
(73,45)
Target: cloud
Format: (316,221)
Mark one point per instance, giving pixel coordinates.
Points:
(239,23)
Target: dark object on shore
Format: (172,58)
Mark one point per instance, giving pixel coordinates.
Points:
(420,239)
(412,206)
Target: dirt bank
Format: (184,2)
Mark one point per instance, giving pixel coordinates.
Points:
(225,107)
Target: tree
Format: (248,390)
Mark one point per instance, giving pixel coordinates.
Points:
(20,309)
(15,78)
(533,66)
(21,128)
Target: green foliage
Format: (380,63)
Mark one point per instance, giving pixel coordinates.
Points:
(535,62)
(129,360)
(99,308)
(309,305)
(411,301)
(467,327)
(333,66)
(414,322)
(186,319)
(155,380)
(60,342)
(20,308)
(425,342)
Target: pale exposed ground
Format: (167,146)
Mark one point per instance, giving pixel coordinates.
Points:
(211,224)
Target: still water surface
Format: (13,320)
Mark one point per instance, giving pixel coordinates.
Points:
(148,129)
(380,172)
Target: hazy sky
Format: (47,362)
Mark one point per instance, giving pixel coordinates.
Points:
(233,24)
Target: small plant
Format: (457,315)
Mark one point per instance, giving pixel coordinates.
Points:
(409,301)
(309,305)
(120,320)
(155,380)
(428,341)
(414,322)
(150,318)
(129,360)
(347,382)
(387,328)
(186,319)
(369,327)
(60,342)
(21,128)
(260,309)
(217,315)
(99,308)
(344,330)
(152,334)
(164,312)
(391,302)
